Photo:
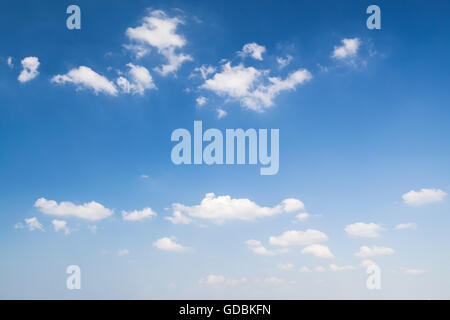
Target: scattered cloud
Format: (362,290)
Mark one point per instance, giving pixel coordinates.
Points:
(367,263)
(33,224)
(221,113)
(365,251)
(414,271)
(220,209)
(302,216)
(159,31)
(334,267)
(30,67)
(320,269)
(364,230)
(348,49)
(205,71)
(18,225)
(258,248)
(285,266)
(61,225)
(141,80)
(138,215)
(283,62)
(304,269)
(213,279)
(200,101)
(424,196)
(123,252)
(409,225)
(144,176)
(10,63)
(298,238)
(273,280)
(253,50)
(169,244)
(86,78)
(89,211)
(179,218)
(318,250)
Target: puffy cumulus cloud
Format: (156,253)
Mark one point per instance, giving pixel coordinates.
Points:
(123,252)
(365,251)
(33,224)
(179,218)
(253,50)
(319,251)
(86,78)
(30,67)
(169,244)
(220,209)
(214,279)
(256,247)
(89,211)
(409,225)
(251,87)
(200,101)
(61,225)
(141,80)
(221,113)
(334,267)
(414,272)
(364,230)
(298,238)
(159,31)
(367,263)
(424,196)
(138,215)
(348,49)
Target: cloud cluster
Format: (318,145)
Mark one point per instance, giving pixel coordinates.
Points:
(253,50)
(319,251)
(366,251)
(169,244)
(89,211)
(298,238)
(138,215)
(30,67)
(424,196)
(348,49)
(61,225)
(364,230)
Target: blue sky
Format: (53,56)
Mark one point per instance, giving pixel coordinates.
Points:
(363,149)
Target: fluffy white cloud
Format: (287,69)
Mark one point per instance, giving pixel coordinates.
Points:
(179,218)
(424,196)
(366,251)
(298,238)
(251,87)
(169,244)
(138,215)
(285,266)
(200,101)
(90,211)
(214,279)
(30,67)
(349,48)
(258,248)
(367,263)
(409,225)
(318,250)
(159,31)
(302,216)
(253,50)
(221,113)
(86,78)
(283,62)
(33,224)
(414,271)
(220,209)
(365,230)
(141,80)
(204,71)
(123,252)
(61,225)
(334,267)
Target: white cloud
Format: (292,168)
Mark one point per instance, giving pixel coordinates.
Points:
(33,224)
(86,78)
(364,230)
(304,269)
(123,252)
(414,271)
(254,50)
(220,209)
(10,63)
(302,216)
(90,211)
(258,248)
(334,267)
(365,251)
(61,225)
(409,225)
(179,218)
(144,176)
(348,49)
(298,238)
(285,266)
(319,251)
(273,280)
(283,62)
(214,279)
(221,113)
(138,215)
(169,244)
(30,67)
(159,31)
(141,80)
(246,84)
(367,263)
(200,101)
(205,70)
(18,225)
(424,196)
